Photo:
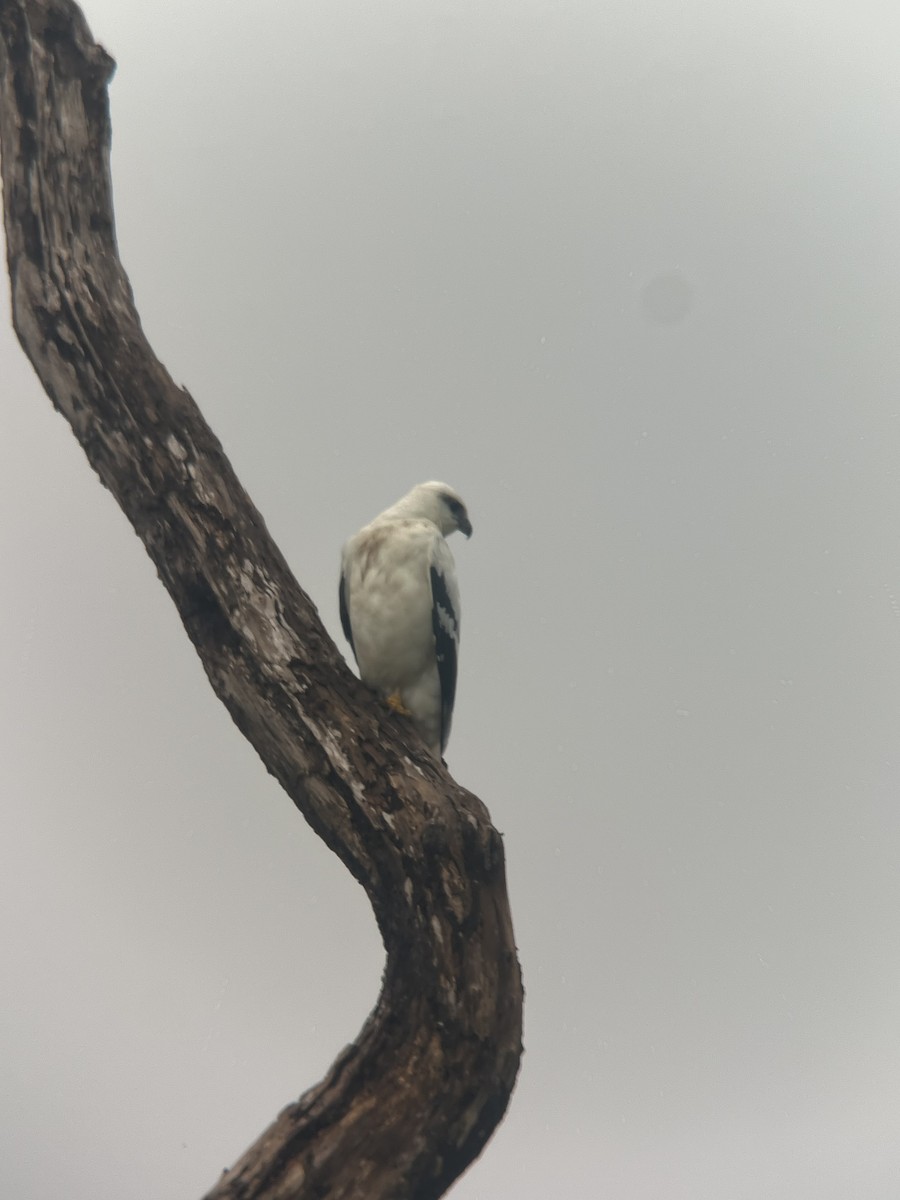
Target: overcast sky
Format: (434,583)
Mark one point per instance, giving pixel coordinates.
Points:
(628,277)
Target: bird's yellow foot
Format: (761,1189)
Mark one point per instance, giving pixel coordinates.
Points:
(396,703)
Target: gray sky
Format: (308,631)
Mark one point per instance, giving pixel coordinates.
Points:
(629,278)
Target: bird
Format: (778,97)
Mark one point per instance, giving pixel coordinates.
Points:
(399,605)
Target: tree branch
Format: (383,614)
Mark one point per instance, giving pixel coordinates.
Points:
(406,1107)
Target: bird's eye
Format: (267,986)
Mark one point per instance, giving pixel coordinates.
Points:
(454,505)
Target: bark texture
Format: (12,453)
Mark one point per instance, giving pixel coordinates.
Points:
(406,1107)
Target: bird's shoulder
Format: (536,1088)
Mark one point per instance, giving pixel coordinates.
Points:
(388,535)
(441,557)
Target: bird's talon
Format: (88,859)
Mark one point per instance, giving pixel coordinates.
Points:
(395,702)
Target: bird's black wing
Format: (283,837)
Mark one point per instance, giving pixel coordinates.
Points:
(445,623)
(345,612)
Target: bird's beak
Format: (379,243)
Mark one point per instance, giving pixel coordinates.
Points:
(465,526)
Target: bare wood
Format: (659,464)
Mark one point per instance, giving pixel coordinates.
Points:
(406,1107)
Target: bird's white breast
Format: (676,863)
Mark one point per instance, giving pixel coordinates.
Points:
(387,573)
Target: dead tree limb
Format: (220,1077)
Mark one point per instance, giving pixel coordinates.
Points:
(406,1107)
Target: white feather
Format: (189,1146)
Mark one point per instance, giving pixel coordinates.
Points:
(390,612)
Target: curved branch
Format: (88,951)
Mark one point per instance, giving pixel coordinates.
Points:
(407,1106)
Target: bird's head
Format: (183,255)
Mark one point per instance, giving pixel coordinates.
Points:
(439,503)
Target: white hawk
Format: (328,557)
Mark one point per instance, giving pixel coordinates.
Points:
(399,603)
